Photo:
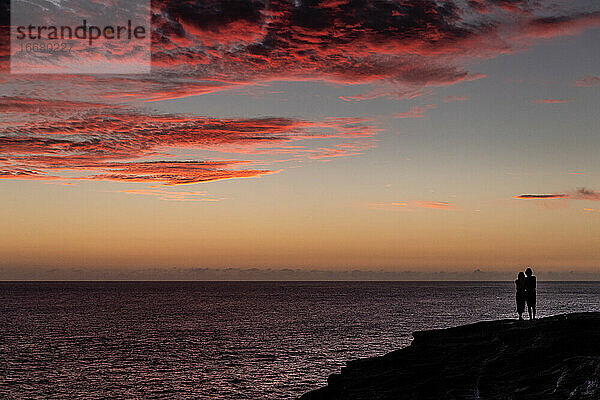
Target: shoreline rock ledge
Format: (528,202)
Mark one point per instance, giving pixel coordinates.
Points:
(553,358)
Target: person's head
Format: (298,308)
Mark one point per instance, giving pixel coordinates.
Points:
(528,272)
(521,275)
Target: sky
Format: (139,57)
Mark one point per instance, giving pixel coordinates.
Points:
(416,137)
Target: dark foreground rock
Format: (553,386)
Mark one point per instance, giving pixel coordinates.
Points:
(551,358)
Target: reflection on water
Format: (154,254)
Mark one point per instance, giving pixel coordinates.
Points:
(228,340)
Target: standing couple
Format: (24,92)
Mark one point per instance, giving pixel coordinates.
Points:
(526,293)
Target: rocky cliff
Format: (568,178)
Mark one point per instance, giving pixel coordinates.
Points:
(551,358)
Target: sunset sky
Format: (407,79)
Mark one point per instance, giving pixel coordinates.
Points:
(404,135)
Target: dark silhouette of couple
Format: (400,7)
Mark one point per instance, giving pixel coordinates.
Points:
(526,283)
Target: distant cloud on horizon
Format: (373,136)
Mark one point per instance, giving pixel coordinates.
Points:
(283,274)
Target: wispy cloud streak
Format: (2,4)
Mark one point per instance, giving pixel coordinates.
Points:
(101,142)
(579,194)
(412,205)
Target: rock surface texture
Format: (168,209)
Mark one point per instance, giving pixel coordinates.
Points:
(551,358)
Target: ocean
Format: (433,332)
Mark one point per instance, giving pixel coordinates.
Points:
(229,340)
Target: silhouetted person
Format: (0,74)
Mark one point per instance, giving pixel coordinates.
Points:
(530,284)
(521,294)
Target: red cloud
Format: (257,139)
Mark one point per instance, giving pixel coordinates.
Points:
(203,47)
(112,144)
(103,143)
(171,173)
(31,105)
(550,101)
(562,25)
(411,43)
(403,48)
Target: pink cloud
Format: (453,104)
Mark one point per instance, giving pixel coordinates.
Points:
(416,111)
(413,205)
(588,81)
(550,101)
(398,93)
(173,195)
(119,144)
(340,150)
(449,99)
(438,205)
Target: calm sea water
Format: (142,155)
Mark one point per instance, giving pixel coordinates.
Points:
(228,340)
